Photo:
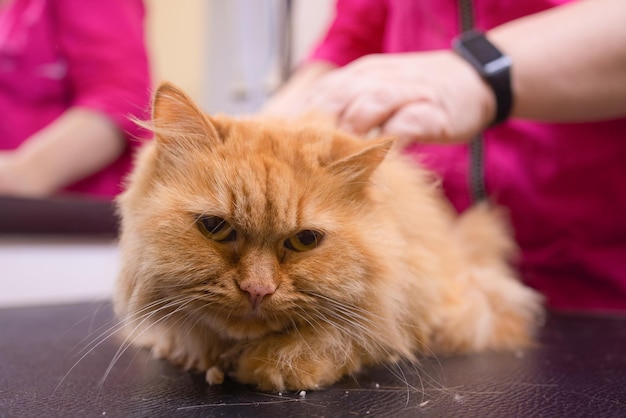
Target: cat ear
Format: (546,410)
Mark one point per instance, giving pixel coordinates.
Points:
(357,168)
(178,121)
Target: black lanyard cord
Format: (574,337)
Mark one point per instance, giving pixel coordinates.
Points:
(476,151)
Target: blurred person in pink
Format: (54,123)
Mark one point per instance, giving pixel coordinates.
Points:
(72,75)
(557,163)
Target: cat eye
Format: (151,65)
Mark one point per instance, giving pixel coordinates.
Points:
(216,228)
(304,240)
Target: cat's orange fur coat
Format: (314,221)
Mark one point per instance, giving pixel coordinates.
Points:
(289,254)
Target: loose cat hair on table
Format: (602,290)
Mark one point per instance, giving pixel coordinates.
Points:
(289,254)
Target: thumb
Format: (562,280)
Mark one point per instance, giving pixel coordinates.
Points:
(419,122)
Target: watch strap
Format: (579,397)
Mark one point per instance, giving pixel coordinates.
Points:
(493,66)
(501,85)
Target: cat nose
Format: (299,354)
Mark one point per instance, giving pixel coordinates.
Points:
(257,291)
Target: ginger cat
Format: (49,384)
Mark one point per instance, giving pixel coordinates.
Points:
(289,254)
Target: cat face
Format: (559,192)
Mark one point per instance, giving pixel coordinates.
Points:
(232,226)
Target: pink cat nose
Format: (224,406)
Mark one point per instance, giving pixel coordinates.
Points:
(257,291)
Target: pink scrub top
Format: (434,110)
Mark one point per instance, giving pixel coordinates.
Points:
(59,54)
(564,184)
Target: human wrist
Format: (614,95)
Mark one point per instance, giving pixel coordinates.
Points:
(494,68)
(480,102)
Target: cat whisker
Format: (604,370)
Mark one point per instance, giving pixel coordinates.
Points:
(132,336)
(295,327)
(346,326)
(94,344)
(395,368)
(363,318)
(104,329)
(366,335)
(334,325)
(350,313)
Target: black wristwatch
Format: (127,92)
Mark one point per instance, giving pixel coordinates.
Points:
(493,66)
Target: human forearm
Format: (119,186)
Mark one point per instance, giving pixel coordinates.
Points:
(77,144)
(569,63)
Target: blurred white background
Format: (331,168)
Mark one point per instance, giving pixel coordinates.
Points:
(228,54)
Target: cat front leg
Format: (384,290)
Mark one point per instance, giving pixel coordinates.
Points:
(190,348)
(296,361)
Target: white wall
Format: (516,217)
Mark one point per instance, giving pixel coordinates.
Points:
(43,270)
(176,38)
(310,21)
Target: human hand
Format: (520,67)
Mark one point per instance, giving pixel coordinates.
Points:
(425,96)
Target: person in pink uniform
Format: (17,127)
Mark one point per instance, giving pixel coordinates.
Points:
(558,163)
(72,75)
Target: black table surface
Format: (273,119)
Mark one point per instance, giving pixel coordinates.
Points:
(56,361)
(64,216)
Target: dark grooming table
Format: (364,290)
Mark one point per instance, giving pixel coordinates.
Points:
(69,216)
(52,361)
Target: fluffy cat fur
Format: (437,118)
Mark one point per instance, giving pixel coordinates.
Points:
(396,273)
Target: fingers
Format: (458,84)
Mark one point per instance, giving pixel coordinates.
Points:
(410,114)
(370,109)
(425,97)
(358,96)
(358,104)
(418,121)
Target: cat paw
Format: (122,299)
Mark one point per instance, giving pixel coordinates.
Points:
(274,373)
(214,376)
(187,355)
(274,379)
